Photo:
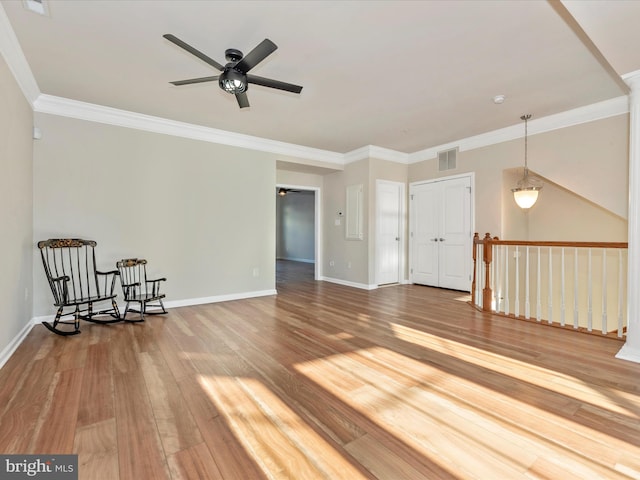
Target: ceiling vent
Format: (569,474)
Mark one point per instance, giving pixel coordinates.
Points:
(447,159)
(37,6)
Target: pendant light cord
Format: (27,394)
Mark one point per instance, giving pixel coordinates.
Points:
(526,168)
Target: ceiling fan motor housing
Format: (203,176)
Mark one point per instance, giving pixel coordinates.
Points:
(233,55)
(233,81)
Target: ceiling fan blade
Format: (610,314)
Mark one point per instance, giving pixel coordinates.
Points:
(193,51)
(195,80)
(267,82)
(243,100)
(255,56)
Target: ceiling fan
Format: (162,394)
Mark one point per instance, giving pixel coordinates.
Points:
(283,191)
(235,78)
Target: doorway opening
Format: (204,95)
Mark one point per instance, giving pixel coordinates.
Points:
(298,252)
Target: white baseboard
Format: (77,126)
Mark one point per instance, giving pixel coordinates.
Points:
(629,353)
(218,298)
(14,344)
(347,283)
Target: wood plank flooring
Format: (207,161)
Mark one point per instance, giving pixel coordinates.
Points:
(326,382)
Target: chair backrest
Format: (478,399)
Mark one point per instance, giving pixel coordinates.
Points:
(133,276)
(70,266)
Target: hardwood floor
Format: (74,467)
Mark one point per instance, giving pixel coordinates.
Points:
(326,381)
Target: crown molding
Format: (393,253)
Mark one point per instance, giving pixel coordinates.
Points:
(16,61)
(577,116)
(632,79)
(19,67)
(372,151)
(112,116)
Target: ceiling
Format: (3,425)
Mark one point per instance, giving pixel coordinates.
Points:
(400,75)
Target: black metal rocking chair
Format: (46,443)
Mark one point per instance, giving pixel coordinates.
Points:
(70,266)
(137,288)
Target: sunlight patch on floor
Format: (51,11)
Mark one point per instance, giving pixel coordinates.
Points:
(278,440)
(524,371)
(450,419)
(435,429)
(464,298)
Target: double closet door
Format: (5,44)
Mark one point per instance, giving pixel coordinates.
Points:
(441,233)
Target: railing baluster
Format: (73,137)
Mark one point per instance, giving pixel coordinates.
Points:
(527,306)
(495,278)
(589,293)
(603,328)
(517,301)
(575,288)
(538,301)
(620,289)
(506,282)
(562,287)
(550,282)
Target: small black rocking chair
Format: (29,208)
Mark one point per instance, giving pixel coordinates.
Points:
(70,266)
(137,288)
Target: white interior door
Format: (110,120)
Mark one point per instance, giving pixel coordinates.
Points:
(441,233)
(389,227)
(425,207)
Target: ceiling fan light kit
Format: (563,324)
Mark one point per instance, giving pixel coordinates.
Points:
(234,78)
(526,191)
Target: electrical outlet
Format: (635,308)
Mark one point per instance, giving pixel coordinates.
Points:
(332,263)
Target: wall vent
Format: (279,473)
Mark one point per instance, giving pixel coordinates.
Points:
(447,159)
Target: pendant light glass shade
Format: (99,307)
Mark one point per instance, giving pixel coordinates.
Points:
(527,189)
(526,197)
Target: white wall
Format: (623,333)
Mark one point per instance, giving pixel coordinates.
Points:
(592,157)
(350,257)
(202,214)
(16,207)
(354,260)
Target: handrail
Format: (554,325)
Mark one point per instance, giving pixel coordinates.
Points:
(550,243)
(537,271)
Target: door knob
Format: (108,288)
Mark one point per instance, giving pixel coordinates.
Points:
(434,239)
(441,239)
(397,239)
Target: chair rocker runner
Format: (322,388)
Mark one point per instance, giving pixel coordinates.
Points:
(70,267)
(137,288)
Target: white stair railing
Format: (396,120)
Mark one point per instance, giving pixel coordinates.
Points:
(588,286)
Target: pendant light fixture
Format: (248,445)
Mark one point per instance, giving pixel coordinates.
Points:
(527,189)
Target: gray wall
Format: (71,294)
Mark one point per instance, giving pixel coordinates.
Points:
(16,207)
(295,226)
(202,214)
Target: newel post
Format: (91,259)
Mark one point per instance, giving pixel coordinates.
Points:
(487,253)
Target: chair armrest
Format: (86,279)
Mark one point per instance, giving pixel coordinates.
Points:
(59,279)
(111,272)
(61,292)
(155,285)
(106,287)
